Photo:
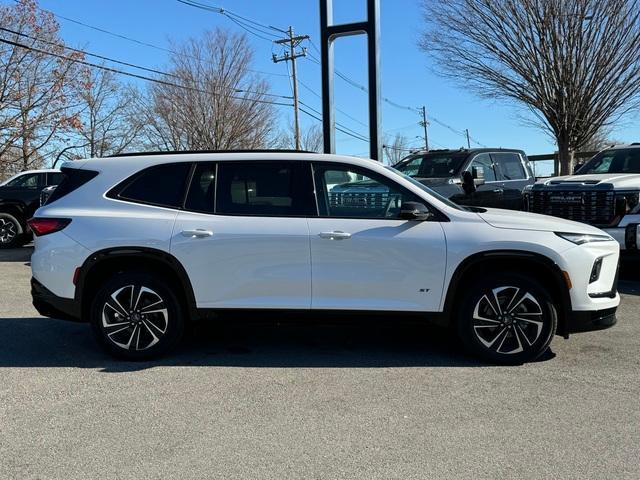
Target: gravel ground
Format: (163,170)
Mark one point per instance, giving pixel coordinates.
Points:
(296,401)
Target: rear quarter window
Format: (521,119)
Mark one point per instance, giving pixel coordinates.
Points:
(72,179)
(161,185)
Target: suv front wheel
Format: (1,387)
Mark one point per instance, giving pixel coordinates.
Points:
(507,318)
(136,316)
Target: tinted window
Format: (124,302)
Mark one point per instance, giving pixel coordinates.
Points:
(510,165)
(30,180)
(483,161)
(54,178)
(364,195)
(202,190)
(162,185)
(265,188)
(614,161)
(432,165)
(73,179)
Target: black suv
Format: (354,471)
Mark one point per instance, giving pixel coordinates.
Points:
(19,199)
(486,177)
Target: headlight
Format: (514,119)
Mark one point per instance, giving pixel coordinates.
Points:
(580,238)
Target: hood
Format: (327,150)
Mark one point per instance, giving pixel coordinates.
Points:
(618,180)
(517,220)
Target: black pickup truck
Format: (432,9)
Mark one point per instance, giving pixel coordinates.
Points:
(481,177)
(19,199)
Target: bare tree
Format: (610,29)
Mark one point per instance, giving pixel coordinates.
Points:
(34,85)
(310,139)
(396,150)
(211,100)
(574,63)
(109,124)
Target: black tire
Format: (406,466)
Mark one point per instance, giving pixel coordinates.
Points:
(139,310)
(11,232)
(522,311)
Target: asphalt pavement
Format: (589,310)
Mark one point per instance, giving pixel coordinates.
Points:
(307,401)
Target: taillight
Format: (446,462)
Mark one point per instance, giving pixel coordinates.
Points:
(45,226)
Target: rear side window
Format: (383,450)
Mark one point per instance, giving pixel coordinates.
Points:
(510,166)
(162,185)
(202,191)
(265,189)
(72,179)
(54,178)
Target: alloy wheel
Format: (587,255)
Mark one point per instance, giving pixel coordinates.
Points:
(8,231)
(509,320)
(134,317)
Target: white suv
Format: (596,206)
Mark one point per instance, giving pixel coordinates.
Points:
(141,245)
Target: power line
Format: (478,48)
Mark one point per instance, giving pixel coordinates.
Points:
(142,43)
(337,127)
(102,57)
(134,75)
(344,127)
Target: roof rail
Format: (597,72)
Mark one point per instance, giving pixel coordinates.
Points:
(186,152)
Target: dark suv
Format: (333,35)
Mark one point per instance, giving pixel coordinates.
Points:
(487,177)
(19,199)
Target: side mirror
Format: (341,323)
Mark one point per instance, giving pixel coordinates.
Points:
(478,175)
(414,211)
(468,182)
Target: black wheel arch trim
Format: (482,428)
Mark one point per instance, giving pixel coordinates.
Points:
(146,253)
(548,264)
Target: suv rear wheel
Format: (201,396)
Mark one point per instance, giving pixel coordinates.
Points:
(11,232)
(136,316)
(507,318)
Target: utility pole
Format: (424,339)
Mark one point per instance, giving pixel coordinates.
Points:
(424,124)
(293,41)
(466,130)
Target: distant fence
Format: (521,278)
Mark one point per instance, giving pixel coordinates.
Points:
(554,157)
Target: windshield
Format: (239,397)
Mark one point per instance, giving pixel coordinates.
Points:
(613,161)
(431,192)
(432,165)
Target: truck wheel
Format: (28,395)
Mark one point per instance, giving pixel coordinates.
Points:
(11,232)
(136,316)
(507,318)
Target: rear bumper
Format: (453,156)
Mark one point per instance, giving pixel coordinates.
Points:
(588,321)
(50,305)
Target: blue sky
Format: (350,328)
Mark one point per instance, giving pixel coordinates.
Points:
(407,74)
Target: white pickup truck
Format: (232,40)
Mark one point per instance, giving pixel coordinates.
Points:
(604,192)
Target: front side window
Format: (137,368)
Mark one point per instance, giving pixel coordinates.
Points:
(265,189)
(162,185)
(30,180)
(483,162)
(510,165)
(364,194)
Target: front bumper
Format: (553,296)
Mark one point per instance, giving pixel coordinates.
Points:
(585,321)
(50,305)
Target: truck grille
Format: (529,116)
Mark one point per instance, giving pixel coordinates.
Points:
(375,200)
(592,207)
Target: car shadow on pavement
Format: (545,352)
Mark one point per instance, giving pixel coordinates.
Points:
(42,342)
(16,254)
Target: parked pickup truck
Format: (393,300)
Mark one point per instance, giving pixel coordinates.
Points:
(604,193)
(483,177)
(19,199)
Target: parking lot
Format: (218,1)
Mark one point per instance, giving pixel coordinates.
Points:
(295,401)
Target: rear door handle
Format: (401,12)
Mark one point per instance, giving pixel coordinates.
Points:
(337,235)
(197,233)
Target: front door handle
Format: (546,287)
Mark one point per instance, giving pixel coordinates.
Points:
(498,190)
(197,233)
(337,235)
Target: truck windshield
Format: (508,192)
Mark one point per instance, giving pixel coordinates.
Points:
(613,161)
(431,165)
